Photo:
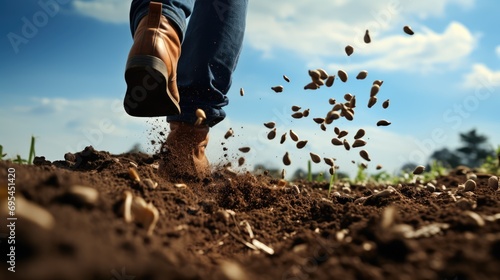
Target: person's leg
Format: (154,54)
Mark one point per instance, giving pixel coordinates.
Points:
(210,52)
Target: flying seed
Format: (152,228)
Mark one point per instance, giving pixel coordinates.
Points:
(359,134)
(408,30)
(372,101)
(312,86)
(329,161)
(347,97)
(322,74)
(493,183)
(342,75)
(378,82)
(336,142)
(358,143)
(283,138)
(419,170)
(315,158)
(241,161)
(286,78)
(331,101)
(305,113)
(270,125)
(378,167)
(314,74)
(150,183)
(294,136)
(132,172)
(364,154)
(330,80)
(295,109)
(244,149)
(336,130)
(277,89)
(363,165)
(383,123)
(229,133)
(318,120)
(374,90)
(331,170)
(348,115)
(199,121)
(385,105)
(201,114)
(242,91)
(349,50)
(346,145)
(323,127)
(470,185)
(297,115)
(301,144)
(367,38)
(337,107)
(362,75)
(283,173)
(271,134)
(286,159)
(342,133)
(352,102)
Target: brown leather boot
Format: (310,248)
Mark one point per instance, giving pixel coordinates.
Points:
(184,152)
(152,67)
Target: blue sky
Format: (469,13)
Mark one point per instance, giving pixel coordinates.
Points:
(63,80)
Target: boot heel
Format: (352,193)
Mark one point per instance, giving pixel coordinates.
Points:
(147,93)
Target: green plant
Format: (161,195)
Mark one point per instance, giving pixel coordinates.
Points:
(18,159)
(361,175)
(492,163)
(2,155)
(332,182)
(309,171)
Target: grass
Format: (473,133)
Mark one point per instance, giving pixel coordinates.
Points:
(18,159)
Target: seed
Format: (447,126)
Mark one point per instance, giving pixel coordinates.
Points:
(297,115)
(314,74)
(372,101)
(493,182)
(322,74)
(342,75)
(331,116)
(346,145)
(145,213)
(301,144)
(408,30)
(277,89)
(470,185)
(349,50)
(348,96)
(318,120)
(364,154)
(383,123)
(331,101)
(336,130)
(286,159)
(244,149)
(374,90)
(378,82)
(312,86)
(271,134)
(283,173)
(331,170)
(180,186)
(323,127)
(336,142)
(132,172)
(133,164)
(242,91)
(419,170)
(201,114)
(315,158)
(84,194)
(359,134)
(283,138)
(475,216)
(199,121)
(306,113)
(229,133)
(378,167)
(241,161)
(286,78)
(150,183)
(342,133)
(337,107)
(294,136)
(33,212)
(362,75)
(295,109)
(367,38)
(352,102)
(270,125)
(329,161)
(329,81)
(385,105)
(363,165)
(127,204)
(348,115)
(358,143)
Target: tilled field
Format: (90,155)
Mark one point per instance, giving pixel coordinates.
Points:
(244,226)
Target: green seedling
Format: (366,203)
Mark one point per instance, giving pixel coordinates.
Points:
(309,171)
(32,150)
(332,182)
(18,159)
(2,155)
(492,163)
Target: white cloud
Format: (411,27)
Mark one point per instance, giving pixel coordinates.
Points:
(114,11)
(319,32)
(482,76)
(497,51)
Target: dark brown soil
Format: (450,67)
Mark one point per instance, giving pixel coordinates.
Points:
(356,235)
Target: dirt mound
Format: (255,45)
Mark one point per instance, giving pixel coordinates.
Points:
(245,226)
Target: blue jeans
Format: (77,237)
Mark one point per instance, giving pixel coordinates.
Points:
(211,45)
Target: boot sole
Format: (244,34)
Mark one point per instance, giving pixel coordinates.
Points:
(147,92)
